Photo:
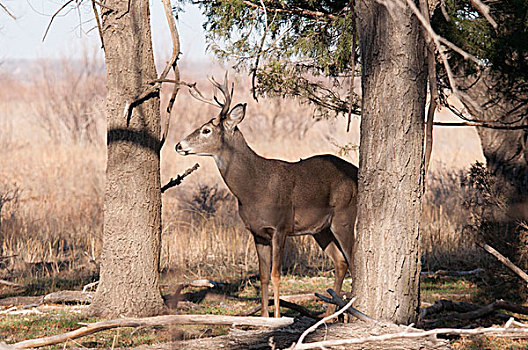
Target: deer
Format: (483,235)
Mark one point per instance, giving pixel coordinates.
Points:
(315,196)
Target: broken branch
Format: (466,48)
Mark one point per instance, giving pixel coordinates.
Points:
(504,260)
(411,333)
(7,11)
(336,300)
(92,328)
(179,178)
(315,326)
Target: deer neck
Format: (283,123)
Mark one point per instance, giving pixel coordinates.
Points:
(239,165)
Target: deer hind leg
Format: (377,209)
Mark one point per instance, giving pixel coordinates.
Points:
(264,258)
(327,242)
(279,239)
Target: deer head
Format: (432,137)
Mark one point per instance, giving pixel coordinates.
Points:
(209,138)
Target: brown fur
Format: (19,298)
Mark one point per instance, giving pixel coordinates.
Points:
(276,199)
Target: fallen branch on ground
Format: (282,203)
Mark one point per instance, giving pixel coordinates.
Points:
(410,333)
(12,284)
(92,328)
(336,300)
(315,326)
(466,311)
(64,296)
(451,273)
(179,178)
(289,305)
(90,286)
(504,260)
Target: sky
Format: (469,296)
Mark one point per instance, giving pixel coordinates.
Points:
(73,31)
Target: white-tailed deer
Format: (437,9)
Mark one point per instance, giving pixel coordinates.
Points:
(276,199)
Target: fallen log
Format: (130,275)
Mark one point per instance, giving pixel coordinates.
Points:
(92,328)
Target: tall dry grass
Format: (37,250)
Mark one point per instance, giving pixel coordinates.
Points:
(53,156)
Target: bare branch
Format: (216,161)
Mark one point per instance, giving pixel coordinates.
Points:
(412,333)
(433,91)
(504,260)
(482,124)
(7,11)
(484,11)
(336,300)
(179,178)
(11,284)
(315,326)
(171,64)
(438,40)
(175,37)
(55,15)
(92,328)
(98,21)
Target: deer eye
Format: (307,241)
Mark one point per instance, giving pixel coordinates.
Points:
(206,131)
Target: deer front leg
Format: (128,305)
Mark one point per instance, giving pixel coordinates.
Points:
(278,241)
(264,258)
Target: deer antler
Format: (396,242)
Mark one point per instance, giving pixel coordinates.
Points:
(227,95)
(193,90)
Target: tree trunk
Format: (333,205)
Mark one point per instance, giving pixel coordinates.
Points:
(132,221)
(387,254)
(505,150)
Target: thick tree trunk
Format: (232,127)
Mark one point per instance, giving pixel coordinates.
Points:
(505,151)
(387,254)
(132,221)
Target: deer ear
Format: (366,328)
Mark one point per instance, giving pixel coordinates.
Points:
(235,116)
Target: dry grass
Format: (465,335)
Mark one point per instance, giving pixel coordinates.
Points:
(58,170)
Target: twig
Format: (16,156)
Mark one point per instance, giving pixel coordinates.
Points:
(179,178)
(438,40)
(315,326)
(92,328)
(7,11)
(98,22)
(53,17)
(353,63)
(8,256)
(482,124)
(259,53)
(504,260)
(89,286)
(484,11)
(336,300)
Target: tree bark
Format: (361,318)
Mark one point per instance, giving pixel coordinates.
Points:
(132,221)
(391,173)
(505,150)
